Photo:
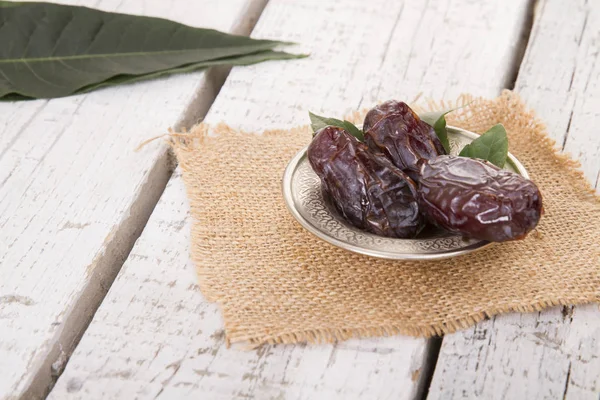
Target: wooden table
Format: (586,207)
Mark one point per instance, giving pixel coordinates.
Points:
(98,298)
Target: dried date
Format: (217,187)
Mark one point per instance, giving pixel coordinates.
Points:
(395,130)
(477,199)
(368,190)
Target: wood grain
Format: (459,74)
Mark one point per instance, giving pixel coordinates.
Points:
(560,74)
(156,337)
(544,355)
(555,353)
(74,195)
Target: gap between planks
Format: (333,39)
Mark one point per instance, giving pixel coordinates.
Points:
(122,239)
(521,47)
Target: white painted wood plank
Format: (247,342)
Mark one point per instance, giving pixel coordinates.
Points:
(155,335)
(555,353)
(523,356)
(560,77)
(379,50)
(73,193)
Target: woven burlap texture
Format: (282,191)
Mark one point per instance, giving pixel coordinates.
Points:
(275,282)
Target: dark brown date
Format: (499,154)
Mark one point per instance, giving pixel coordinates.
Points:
(384,110)
(394,129)
(477,199)
(368,190)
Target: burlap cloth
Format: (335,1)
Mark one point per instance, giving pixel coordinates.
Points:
(275,282)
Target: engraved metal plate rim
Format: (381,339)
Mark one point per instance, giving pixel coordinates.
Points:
(396,253)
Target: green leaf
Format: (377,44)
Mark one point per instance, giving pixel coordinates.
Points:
(491,146)
(6,4)
(51,50)
(247,59)
(437,120)
(318,122)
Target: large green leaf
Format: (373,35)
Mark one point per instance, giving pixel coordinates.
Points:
(491,146)
(50,50)
(246,59)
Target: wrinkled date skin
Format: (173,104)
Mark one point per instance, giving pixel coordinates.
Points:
(368,190)
(394,129)
(477,199)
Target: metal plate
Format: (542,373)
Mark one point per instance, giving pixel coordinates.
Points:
(304,199)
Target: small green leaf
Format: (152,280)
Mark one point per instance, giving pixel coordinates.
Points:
(317,122)
(437,120)
(491,146)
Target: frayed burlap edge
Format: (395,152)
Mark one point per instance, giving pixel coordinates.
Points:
(187,142)
(328,335)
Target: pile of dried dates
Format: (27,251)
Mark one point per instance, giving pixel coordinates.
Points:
(395,176)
